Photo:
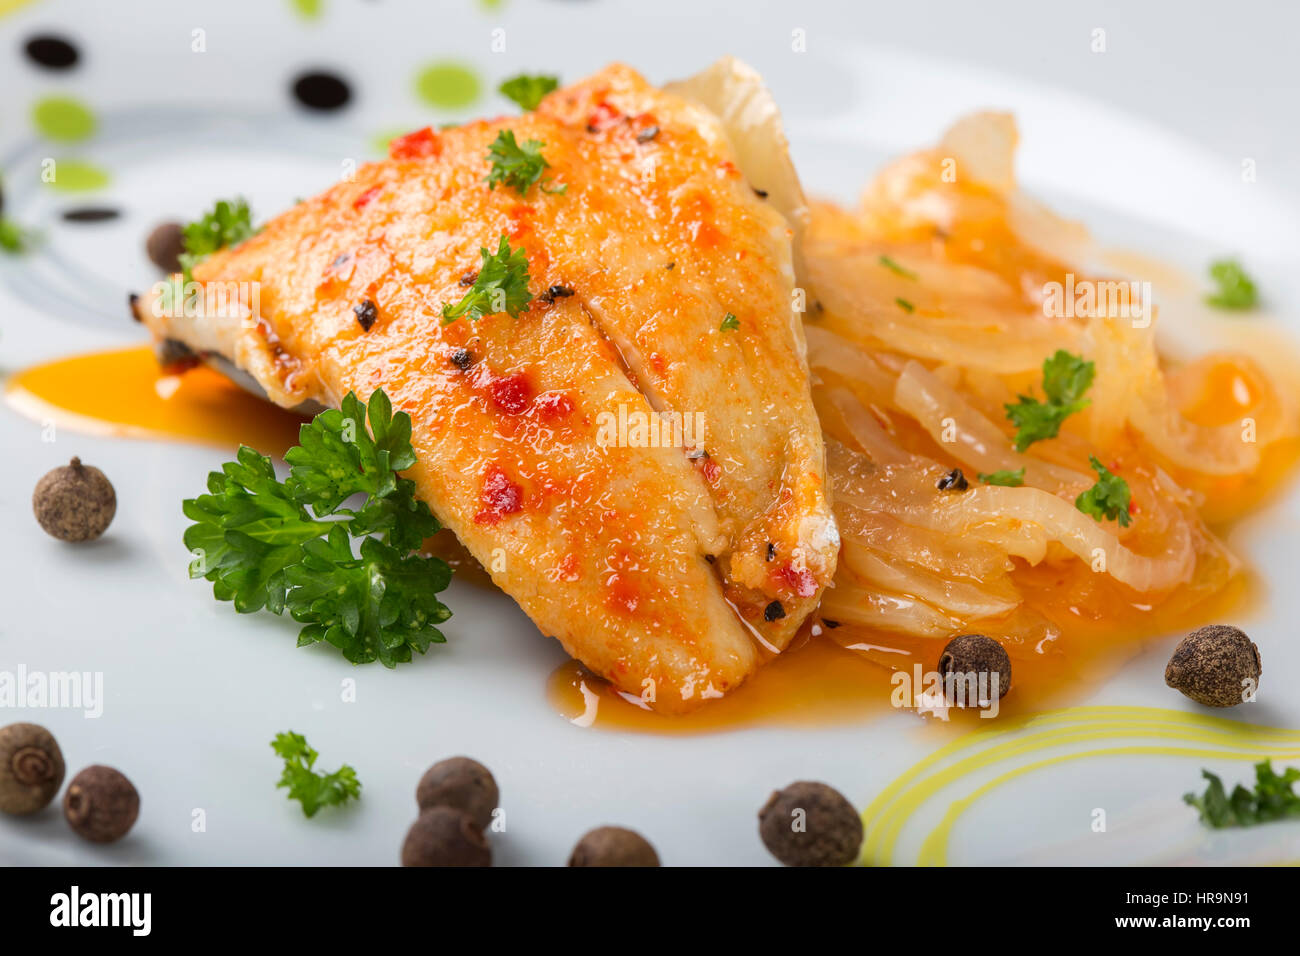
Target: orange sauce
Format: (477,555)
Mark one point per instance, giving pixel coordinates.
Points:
(815,684)
(124,393)
(846,674)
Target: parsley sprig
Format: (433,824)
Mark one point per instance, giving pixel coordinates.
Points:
(501,286)
(228,223)
(1273,798)
(1066,378)
(516,166)
(1236,289)
(313,790)
(527,90)
(1108,499)
(288,545)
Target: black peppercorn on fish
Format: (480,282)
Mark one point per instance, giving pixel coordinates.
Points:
(661,270)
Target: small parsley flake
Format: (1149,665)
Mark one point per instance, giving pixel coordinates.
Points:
(313,790)
(229,223)
(500,286)
(526,90)
(1108,499)
(1066,378)
(1006,477)
(1236,289)
(516,166)
(893,266)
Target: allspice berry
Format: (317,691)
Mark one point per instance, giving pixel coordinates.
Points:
(810,824)
(101,804)
(31,768)
(613,846)
(165,245)
(445,836)
(979,655)
(460,783)
(1216,665)
(75,502)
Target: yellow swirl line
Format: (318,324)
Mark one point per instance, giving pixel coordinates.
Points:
(934,851)
(9,6)
(885,817)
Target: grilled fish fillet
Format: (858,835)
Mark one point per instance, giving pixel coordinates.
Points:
(670,571)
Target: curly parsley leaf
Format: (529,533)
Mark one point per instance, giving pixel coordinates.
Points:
(255,538)
(501,286)
(228,223)
(516,166)
(380,606)
(729,323)
(1005,477)
(1273,798)
(1236,289)
(313,790)
(527,90)
(1108,499)
(1066,378)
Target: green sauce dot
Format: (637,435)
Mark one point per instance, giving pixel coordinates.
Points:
(448,86)
(308,9)
(63,119)
(75,176)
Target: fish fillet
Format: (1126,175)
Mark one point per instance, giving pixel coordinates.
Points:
(671,571)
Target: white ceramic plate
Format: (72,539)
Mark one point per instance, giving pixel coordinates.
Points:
(193,693)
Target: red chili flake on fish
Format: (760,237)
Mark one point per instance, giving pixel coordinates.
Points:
(511,393)
(421,144)
(500,497)
(365,197)
(552,406)
(622,593)
(602,118)
(799,580)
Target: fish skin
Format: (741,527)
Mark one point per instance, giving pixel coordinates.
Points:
(657,570)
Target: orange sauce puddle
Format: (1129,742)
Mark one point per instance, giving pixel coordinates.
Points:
(827,680)
(124,393)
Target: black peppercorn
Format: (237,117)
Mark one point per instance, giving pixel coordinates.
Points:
(1216,665)
(31,768)
(101,804)
(955,480)
(556,292)
(75,502)
(165,245)
(810,824)
(977,654)
(774,611)
(460,783)
(613,846)
(367,312)
(462,359)
(445,836)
